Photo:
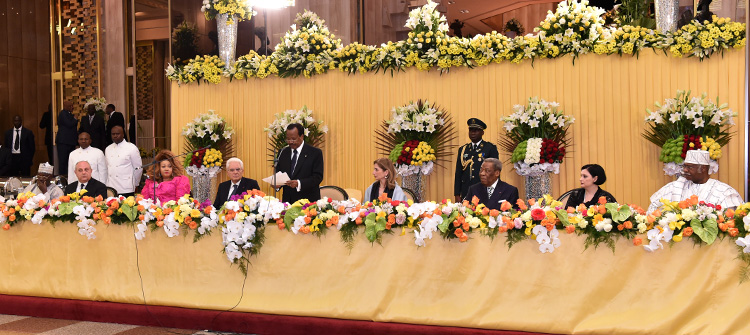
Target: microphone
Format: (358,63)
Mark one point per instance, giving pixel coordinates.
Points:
(276,156)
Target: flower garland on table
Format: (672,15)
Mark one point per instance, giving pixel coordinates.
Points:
(417,137)
(687,123)
(208,130)
(314,129)
(208,68)
(428,43)
(703,39)
(354,57)
(626,40)
(243,220)
(535,136)
(238,10)
(307,51)
(573,28)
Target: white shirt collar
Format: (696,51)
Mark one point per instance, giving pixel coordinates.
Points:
(495,184)
(19,128)
(299,149)
(476,144)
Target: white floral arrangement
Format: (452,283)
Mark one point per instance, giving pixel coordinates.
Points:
(687,123)
(208,130)
(100,104)
(411,117)
(309,50)
(314,129)
(573,28)
(251,212)
(536,137)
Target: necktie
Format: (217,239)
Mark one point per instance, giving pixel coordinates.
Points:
(231,191)
(294,160)
(91,119)
(489,192)
(17,144)
(83,186)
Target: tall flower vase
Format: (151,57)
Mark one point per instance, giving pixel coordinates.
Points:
(416,183)
(667,13)
(202,185)
(537,186)
(226,28)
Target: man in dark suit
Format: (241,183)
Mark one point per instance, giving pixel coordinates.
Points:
(67,136)
(237,184)
(46,124)
(92,186)
(304,165)
(5,162)
(114,118)
(21,142)
(94,125)
(470,158)
(492,191)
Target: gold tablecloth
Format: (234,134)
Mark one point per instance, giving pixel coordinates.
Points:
(683,290)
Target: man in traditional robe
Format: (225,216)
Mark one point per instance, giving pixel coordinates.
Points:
(695,181)
(491,191)
(43,184)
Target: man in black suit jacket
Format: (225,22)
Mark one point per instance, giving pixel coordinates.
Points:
(237,184)
(46,124)
(92,186)
(114,119)
(5,162)
(20,140)
(94,125)
(304,165)
(67,136)
(490,183)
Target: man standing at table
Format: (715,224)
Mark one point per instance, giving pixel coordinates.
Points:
(88,153)
(22,147)
(94,125)
(237,184)
(695,181)
(470,158)
(67,136)
(123,164)
(84,181)
(492,191)
(114,118)
(304,165)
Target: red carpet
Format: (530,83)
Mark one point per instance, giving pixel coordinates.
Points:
(185,318)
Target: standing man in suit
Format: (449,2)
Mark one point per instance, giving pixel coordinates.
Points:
(304,165)
(5,162)
(46,124)
(67,136)
(114,118)
(22,148)
(470,158)
(492,191)
(237,184)
(93,124)
(84,181)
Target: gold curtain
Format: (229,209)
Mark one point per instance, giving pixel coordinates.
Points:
(607,95)
(680,290)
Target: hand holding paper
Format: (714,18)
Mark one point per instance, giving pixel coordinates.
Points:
(281,179)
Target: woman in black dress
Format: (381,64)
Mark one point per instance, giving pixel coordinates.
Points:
(592,175)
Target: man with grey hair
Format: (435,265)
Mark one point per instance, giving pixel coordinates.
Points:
(695,181)
(237,184)
(491,191)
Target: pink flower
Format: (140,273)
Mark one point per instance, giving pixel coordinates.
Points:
(518,223)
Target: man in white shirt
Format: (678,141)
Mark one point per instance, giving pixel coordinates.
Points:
(43,184)
(94,156)
(695,181)
(123,164)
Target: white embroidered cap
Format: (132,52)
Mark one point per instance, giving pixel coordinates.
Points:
(46,168)
(700,157)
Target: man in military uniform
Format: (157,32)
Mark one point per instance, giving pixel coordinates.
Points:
(470,158)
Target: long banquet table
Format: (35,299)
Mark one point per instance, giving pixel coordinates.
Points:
(684,289)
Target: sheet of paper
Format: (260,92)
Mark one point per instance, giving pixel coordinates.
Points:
(281,179)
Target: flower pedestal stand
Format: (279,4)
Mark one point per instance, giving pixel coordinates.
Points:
(537,185)
(202,186)
(416,183)
(227,33)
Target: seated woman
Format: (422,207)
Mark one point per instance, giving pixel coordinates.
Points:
(168,177)
(385,182)
(592,175)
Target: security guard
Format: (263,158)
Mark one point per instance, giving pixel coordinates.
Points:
(470,158)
